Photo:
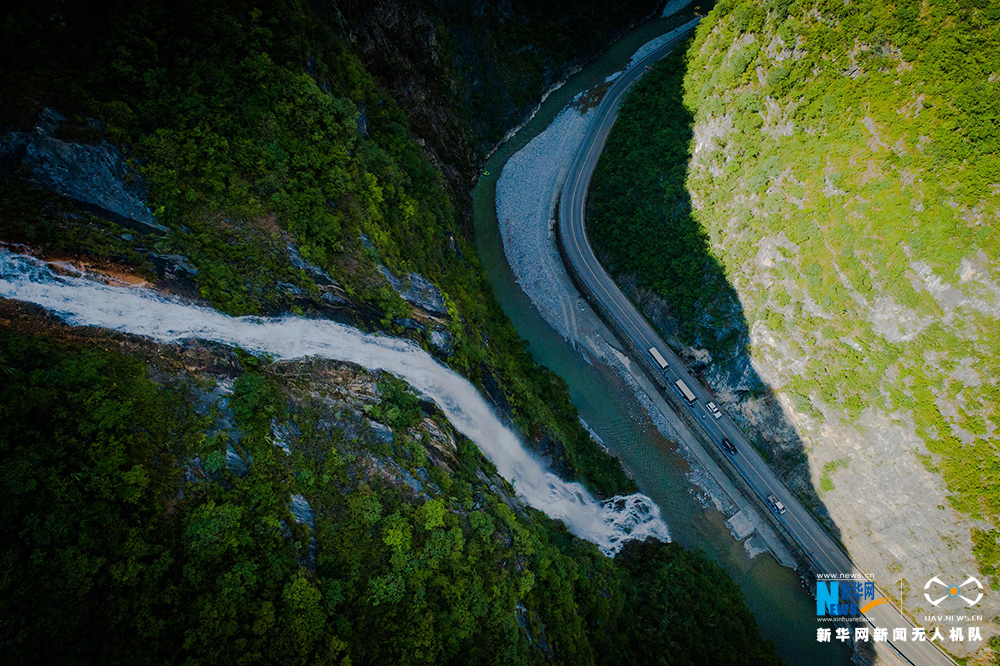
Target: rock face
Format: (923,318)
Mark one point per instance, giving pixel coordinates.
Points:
(301,511)
(838,199)
(382,432)
(442,340)
(466,71)
(95,175)
(235,463)
(417,290)
(424,294)
(319,276)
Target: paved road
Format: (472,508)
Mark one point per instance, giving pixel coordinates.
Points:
(824,551)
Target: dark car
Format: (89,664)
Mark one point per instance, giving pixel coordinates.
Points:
(728,446)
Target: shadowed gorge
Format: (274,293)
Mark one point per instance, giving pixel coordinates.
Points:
(640,192)
(306,358)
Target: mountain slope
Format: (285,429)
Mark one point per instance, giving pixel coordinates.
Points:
(259,516)
(282,179)
(193,504)
(816,189)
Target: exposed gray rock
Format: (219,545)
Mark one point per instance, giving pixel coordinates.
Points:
(226,419)
(319,276)
(303,514)
(411,324)
(382,432)
(442,340)
(280,434)
(332,298)
(894,322)
(414,288)
(291,289)
(301,511)
(234,463)
(96,175)
(424,294)
(417,290)
(408,478)
(394,281)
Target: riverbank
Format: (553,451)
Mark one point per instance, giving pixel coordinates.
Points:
(606,396)
(526,198)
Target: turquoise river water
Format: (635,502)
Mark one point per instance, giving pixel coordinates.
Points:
(785,612)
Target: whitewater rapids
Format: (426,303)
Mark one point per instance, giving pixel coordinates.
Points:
(81,301)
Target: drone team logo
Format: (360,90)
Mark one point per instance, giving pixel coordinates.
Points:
(953,591)
(845,597)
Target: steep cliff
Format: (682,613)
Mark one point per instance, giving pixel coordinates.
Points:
(813,190)
(467,71)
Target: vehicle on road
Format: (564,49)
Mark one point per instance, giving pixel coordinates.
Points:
(685,392)
(728,446)
(601,289)
(712,407)
(655,354)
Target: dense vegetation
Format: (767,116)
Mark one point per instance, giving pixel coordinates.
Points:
(150,514)
(126,538)
(255,126)
(640,195)
(466,72)
(833,168)
(523,47)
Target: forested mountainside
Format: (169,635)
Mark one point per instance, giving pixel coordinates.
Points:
(192,503)
(259,516)
(813,189)
(280,176)
(466,72)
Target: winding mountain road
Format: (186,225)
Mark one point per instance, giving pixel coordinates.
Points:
(825,553)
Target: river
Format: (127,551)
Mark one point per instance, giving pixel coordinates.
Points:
(784,611)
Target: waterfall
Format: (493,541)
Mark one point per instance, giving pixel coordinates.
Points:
(81,301)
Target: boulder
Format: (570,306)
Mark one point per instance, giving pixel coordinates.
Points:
(382,432)
(235,463)
(442,340)
(417,290)
(97,176)
(302,513)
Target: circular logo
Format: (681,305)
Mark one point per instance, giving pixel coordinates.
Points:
(952,591)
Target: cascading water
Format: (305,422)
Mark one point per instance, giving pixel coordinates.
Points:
(82,301)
